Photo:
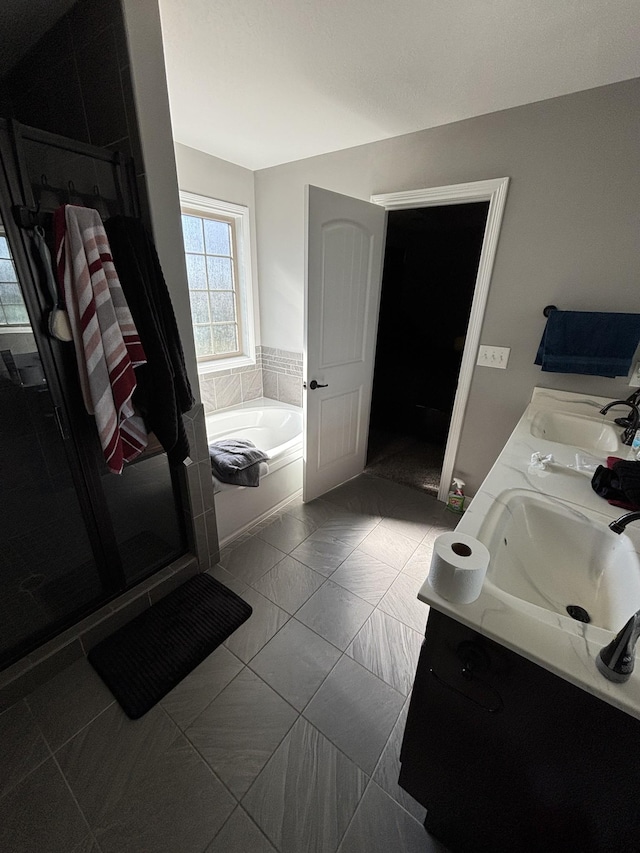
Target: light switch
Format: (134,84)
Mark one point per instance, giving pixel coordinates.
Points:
(493,356)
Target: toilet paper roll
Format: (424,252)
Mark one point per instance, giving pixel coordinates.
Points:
(458,567)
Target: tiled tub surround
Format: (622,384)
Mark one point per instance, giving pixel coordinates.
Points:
(286,738)
(282,375)
(277,374)
(200,513)
(202,541)
(555,641)
(275,428)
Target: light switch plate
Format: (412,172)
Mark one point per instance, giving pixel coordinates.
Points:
(493,356)
(634,379)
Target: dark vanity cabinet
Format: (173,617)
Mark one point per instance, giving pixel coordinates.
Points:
(505,756)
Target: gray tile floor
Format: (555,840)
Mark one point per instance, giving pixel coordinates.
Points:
(286,738)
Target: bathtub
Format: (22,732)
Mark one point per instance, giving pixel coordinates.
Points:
(275,428)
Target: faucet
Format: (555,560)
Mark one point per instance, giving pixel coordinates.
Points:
(619,524)
(632,422)
(615,661)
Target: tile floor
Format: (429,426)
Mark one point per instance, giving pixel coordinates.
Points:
(286,738)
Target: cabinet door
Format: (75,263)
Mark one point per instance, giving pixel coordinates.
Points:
(547,768)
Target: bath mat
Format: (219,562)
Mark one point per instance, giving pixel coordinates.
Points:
(142,661)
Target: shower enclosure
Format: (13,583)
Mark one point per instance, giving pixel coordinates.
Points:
(72,535)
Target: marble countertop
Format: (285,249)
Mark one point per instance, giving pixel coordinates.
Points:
(553,640)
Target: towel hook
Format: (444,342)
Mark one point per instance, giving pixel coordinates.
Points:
(548,309)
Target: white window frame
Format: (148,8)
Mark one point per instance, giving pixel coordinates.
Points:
(13,328)
(239,213)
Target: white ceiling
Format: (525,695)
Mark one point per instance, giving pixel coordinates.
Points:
(262,82)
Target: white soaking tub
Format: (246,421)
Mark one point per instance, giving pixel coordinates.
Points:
(275,428)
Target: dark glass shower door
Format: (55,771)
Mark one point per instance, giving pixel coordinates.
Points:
(47,569)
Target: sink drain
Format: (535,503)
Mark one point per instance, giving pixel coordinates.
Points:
(578,613)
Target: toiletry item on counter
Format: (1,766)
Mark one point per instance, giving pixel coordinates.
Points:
(458,567)
(588,464)
(635,445)
(540,462)
(456,498)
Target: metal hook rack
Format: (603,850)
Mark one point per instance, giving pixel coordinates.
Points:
(30,217)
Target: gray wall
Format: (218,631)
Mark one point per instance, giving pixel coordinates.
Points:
(201,173)
(570,234)
(209,176)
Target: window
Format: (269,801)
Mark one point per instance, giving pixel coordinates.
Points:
(13,312)
(216,242)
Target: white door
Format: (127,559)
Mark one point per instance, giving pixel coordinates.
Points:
(344,249)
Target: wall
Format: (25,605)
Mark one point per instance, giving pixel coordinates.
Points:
(109,101)
(209,176)
(199,172)
(569,234)
(77,81)
(277,373)
(60,87)
(98,76)
(144,37)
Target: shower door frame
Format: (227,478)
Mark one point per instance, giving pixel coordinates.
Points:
(77,433)
(101,538)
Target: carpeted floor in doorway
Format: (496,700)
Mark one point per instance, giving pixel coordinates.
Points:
(406,460)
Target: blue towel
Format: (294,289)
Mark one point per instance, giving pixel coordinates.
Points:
(589,342)
(236,461)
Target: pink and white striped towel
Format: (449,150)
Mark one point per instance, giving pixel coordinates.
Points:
(105,337)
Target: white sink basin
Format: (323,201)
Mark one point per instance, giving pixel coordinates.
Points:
(554,557)
(591,434)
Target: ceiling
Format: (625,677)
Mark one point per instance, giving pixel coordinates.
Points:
(263,82)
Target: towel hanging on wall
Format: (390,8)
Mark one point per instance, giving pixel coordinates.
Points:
(589,342)
(105,338)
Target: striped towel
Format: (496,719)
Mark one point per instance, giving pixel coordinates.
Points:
(105,337)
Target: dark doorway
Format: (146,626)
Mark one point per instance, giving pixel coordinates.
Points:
(430,269)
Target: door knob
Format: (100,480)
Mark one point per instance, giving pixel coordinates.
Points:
(313,385)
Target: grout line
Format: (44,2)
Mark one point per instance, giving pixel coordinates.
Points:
(73,796)
(322,735)
(205,762)
(342,837)
(81,729)
(259,828)
(208,705)
(235,797)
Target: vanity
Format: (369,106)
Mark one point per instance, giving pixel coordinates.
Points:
(514,741)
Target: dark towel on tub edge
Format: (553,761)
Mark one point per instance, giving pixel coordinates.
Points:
(236,461)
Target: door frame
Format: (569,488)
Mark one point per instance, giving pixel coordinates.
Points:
(495,192)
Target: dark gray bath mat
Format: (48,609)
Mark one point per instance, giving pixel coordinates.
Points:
(145,659)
